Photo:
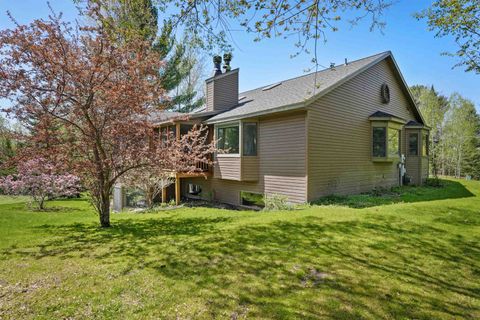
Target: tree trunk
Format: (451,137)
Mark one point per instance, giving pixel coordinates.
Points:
(105,210)
(149,194)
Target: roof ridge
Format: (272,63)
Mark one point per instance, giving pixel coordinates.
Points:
(313,72)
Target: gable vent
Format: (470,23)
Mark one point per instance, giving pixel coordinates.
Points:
(271,86)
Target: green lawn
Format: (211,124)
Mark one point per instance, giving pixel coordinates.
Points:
(416,259)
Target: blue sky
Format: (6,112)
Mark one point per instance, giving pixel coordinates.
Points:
(416,50)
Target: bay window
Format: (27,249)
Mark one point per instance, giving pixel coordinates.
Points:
(228,139)
(249,139)
(385,141)
(379,142)
(413,144)
(393,143)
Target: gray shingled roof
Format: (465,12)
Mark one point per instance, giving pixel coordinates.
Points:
(295,91)
(381,114)
(413,123)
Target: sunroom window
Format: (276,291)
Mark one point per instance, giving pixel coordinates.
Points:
(228,139)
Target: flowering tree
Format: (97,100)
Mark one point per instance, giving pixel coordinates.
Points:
(187,154)
(40,179)
(89,97)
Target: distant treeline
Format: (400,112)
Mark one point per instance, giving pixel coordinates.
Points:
(454,134)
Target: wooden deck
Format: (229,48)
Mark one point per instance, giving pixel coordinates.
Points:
(180,175)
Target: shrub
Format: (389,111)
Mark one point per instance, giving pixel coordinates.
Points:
(40,179)
(276,202)
(434,182)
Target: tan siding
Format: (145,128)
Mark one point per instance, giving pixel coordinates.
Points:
(222,91)
(339,134)
(250,168)
(413,164)
(227,168)
(281,162)
(209,96)
(282,149)
(424,170)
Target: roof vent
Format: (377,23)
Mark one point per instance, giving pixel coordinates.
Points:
(271,86)
(332,65)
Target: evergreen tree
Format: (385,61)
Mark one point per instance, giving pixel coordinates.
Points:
(128,19)
(472,158)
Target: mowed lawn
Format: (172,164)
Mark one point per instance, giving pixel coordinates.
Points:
(416,259)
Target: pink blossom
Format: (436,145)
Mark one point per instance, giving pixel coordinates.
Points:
(39,179)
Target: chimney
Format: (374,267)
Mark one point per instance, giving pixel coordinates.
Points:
(222,88)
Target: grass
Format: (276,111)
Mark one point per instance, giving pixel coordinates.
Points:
(416,259)
(12,199)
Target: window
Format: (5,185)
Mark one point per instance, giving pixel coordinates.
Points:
(194,189)
(164,135)
(413,144)
(393,143)
(425,144)
(167,133)
(185,128)
(386,143)
(228,139)
(379,142)
(250,139)
(172,132)
(252,199)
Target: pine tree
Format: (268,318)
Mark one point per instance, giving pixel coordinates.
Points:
(128,19)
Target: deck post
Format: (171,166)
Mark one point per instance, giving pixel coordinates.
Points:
(177,189)
(164,195)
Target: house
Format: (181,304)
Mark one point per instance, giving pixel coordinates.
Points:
(343,130)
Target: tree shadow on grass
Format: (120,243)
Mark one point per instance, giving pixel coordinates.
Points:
(448,190)
(382,267)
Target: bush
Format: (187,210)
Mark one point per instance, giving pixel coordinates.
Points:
(434,182)
(276,202)
(41,180)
